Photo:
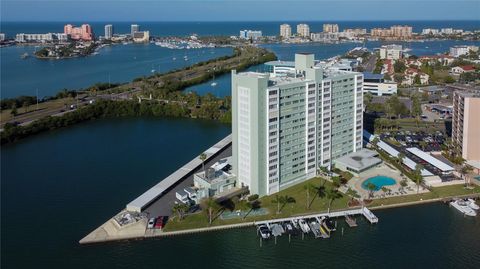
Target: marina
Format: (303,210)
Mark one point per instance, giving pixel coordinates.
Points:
(319,225)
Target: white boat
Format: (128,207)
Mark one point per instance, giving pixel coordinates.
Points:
(463,207)
(471,203)
(304,226)
(213,84)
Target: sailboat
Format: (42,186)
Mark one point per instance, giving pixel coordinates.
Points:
(153,70)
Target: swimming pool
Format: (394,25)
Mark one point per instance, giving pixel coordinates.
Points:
(379,182)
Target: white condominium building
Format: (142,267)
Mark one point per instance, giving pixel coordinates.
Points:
(303,30)
(285,30)
(284,128)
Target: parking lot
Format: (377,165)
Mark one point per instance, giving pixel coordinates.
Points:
(421,140)
(426,142)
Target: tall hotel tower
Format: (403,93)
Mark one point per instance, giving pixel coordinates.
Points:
(285,127)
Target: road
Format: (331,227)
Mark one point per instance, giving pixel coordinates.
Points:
(369,66)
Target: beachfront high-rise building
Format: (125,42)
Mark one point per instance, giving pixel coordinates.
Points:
(330,28)
(303,30)
(396,31)
(2,37)
(285,127)
(465,124)
(83,32)
(134,28)
(285,30)
(108,31)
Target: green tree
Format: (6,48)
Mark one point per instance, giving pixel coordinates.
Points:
(14,111)
(417,176)
(464,170)
(416,107)
(309,189)
(331,195)
(179,210)
(281,201)
(416,80)
(371,188)
(209,205)
(399,67)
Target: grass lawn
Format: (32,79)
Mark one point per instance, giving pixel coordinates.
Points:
(318,205)
(30,113)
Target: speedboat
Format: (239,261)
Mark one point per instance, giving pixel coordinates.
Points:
(213,84)
(463,206)
(304,226)
(264,231)
(471,203)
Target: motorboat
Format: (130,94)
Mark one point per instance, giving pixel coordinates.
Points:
(304,226)
(264,231)
(463,206)
(471,203)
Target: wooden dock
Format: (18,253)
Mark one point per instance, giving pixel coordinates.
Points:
(350,221)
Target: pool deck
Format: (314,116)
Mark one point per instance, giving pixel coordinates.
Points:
(384,170)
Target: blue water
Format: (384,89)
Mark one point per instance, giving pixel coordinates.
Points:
(379,182)
(221,28)
(58,186)
(119,63)
(287,52)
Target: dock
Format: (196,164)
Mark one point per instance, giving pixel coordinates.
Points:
(350,221)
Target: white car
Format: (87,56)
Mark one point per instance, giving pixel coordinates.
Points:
(151,223)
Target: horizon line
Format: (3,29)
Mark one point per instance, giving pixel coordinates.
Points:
(360,20)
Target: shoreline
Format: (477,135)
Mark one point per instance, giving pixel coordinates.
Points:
(85,241)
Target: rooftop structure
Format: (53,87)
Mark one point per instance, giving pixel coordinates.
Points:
(376,85)
(286,127)
(215,179)
(445,168)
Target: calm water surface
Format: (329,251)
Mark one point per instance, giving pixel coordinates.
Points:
(59,186)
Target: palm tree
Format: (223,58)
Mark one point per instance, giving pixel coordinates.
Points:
(353,194)
(282,200)
(179,210)
(401,158)
(464,170)
(203,157)
(417,175)
(210,205)
(332,194)
(309,188)
(386,190)
(371,188)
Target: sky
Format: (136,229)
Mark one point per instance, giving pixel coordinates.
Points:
(238,10)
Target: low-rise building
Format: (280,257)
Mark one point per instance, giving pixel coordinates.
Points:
(48,37)
(444,60)
(457,70)
(215,180)
(411,75)
(358,162)
(457,51)
(376,85)
(430,31)
(391,52)
(250,34)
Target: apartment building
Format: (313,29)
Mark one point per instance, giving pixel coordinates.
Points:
(284,128)
(466,124)
(303,30)
(330,28)
(285,30)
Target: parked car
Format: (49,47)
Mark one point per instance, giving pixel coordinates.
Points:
(151,223)
(159,223)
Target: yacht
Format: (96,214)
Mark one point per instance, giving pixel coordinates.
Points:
(463,206)
(304,226)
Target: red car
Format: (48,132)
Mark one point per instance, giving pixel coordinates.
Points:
(159,223)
